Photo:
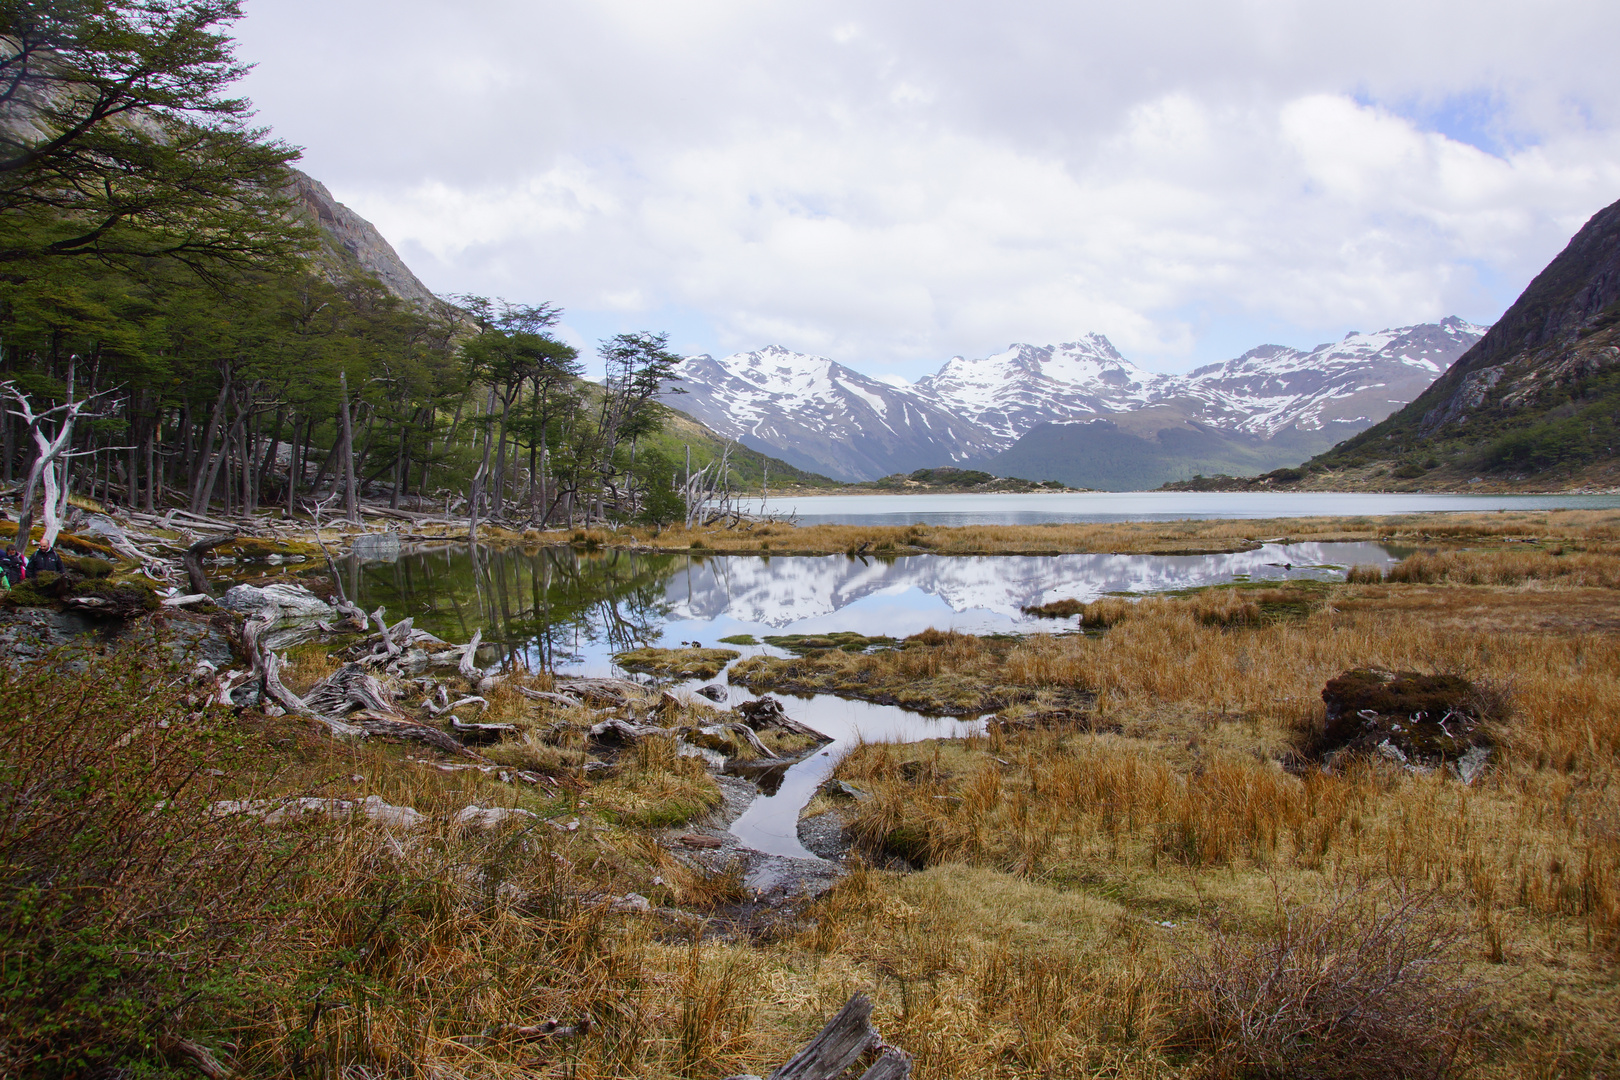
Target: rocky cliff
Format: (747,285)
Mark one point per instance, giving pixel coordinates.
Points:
(1535,404)
(353,242)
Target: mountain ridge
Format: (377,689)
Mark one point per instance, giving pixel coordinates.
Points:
(1262,406)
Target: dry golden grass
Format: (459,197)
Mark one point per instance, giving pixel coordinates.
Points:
(1097,898)
(1171,537)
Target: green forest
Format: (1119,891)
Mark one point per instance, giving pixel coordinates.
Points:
(176,332)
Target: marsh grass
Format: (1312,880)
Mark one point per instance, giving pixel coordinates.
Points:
(1172,537)
(1170,889)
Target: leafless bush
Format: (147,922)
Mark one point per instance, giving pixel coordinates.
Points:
(1371,985)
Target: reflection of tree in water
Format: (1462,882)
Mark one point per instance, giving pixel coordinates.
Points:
(542,605)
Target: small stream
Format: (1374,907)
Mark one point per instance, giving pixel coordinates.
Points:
(571,611)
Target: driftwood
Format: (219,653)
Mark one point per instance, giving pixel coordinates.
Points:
(767,712)
(839,1045)
(471,699)
(481,734)
(192,561)
(468,667)
(267,668)
(351,687)
(567,701)
(614,730)
(742,731)
(617,692)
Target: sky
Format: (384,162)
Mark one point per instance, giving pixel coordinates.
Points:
(892,182)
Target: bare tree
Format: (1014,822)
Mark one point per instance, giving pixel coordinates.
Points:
(53,449)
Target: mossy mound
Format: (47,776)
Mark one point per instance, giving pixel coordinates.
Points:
(124,600)
(1431,719)
(89,565)
(740,639)
(846,640)
(258,548)
(677,663)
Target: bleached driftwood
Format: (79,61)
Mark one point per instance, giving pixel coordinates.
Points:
(567,701)
(468,668)
(617,692)
(481,734)
(839,1045)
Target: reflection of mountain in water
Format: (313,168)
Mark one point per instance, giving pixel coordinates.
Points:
(785,590)
(559,608)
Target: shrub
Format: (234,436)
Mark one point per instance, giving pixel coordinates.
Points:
(127,910)
(1373,985)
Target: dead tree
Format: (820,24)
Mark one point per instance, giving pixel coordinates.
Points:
(52,452)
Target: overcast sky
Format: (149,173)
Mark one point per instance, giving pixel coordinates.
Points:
(893,182)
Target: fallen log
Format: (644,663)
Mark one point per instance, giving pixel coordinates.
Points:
(182,601)
(839,1045)
(267,668)
(614,730)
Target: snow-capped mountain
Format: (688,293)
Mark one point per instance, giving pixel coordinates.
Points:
(1012,391)
(1356,381)
(824,416)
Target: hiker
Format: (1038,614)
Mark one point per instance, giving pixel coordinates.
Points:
(11,565)
(44,558)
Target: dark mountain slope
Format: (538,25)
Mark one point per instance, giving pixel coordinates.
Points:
(1536,403)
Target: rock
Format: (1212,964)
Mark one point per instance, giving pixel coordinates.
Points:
(714,692)
(1471,765)
(295,603)
(698,840)
(837,789)
(481,817)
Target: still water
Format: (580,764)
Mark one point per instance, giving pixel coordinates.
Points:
(565,610)
(1097,506)
(571,611)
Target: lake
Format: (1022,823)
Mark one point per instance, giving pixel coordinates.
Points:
(1098,506)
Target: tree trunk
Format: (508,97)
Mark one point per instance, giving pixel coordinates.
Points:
(206,451)
(351,499)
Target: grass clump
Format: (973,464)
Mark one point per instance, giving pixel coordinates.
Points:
(847,640)
(656,787)
(677,663)
(740,639)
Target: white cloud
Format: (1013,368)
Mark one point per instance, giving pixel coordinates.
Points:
(891,183)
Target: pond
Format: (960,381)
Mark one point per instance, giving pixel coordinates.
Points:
(566,610)
(1099,506)
(562,609)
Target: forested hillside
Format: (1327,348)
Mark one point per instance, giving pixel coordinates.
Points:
(187,321)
